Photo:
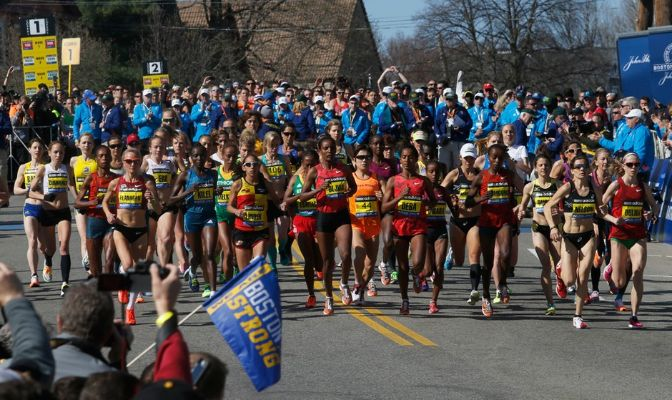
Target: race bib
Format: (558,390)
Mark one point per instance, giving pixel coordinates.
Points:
(438,212)
(57,183)
(223,198)
(254,215)
(307,206)
(539,203)
(130,199)
(409,206)
(336,188)
(583,208)
(631,211)
(499,193)
(366,207)
(204,194)
(276,171)
(162,179)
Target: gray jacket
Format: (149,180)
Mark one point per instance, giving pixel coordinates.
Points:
(77,358)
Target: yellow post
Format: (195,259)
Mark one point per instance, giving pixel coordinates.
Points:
(69,78)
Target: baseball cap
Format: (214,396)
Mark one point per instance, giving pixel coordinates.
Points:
(284,84)
(414,97)
(147,92)
(176,102)
(266,112)
(88,94)
(395,83)
(528,111)
(419,135)
(203,91)
(393,97)
(280,89)
(387,90)
(588,94)
(419,91)
(132,138)
(318,99)
(448,91)
(282,100)
(468,150)
(488,86)
(354,97)
(479,94)
(537,96)
(108,97)
(634,113)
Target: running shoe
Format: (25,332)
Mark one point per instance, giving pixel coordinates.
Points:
(606,274)
(34,282)
(46,273)
(486,308)
(448,264)
(384,274)
(417,284)
(236,271)
(319,275)
(346,297)
(328,306)
(433,308)
(560,288)
(634,323)
(498,297)
(356,296)
(571,290)
(372,291)
(193,283)
(620,306)
(122,295)
(594,296)
(85,262)
(506,297)
(473,297)
(64,288)
(221,278)
(130,317)
(186,274)
(206,292)
(311,301)
(550,310)
(394,277)
(424,285)
(139,299)
(405,307)
(579,323)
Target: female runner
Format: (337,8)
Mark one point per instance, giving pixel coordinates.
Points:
(32,208)
(129,194)
(495,187)
(249,203)
(463,228)
(51,184)
(365,217)
(601,177)
(383,168)
(98,230)
(181,148)
(405,195)
(335,130)
(197,186)
(628,235)
(581,201)
(540,191)
(304,221)
(227,173)
(162,220)
(437,234)
(561,168)
(82,166)
(275,171)
(116,149)
(333,184)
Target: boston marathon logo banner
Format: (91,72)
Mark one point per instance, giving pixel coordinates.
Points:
(247,312)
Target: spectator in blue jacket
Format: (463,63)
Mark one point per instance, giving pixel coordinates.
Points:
(112,121)
(392,117)
(304,120)
(88,116)
(322,116)
(451,130)
(418,114)
(356,124)
(375,119)
(512,111)
(205,115)
(520,125)
(558,128)
(636,139)
(147,117)
(481,117)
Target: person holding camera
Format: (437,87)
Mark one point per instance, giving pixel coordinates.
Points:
(451,129)
(131,192)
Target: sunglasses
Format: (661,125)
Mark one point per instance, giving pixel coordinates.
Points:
(137,96)
(249,83)
(168,119)
(250,164)
(339,92)
(221,143)
(363,158)
(632,164)
(132,161)
(572,151)
(580,166)
(287,133)
(114,146)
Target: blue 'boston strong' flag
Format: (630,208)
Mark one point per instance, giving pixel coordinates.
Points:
(247,312)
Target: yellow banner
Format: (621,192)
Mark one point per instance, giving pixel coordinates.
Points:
(39,55)
(154,81)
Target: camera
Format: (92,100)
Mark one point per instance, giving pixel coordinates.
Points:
(136,279)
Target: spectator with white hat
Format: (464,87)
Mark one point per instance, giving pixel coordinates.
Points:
(146,117)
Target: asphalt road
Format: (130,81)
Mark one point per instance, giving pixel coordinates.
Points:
(372,353)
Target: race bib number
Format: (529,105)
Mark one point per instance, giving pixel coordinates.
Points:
(162,179)
(130,199)
(583,209)
(409,206)
(336,188)
(437,213)
(499,193)
(366,207)
(307,206)
(254,215)
(276,171)
(223,199)
(57,183)
(631,211)
(540,202)
(204,194)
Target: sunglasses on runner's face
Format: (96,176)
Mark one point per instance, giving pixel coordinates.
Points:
(114,146)
(580,166)
(363,157)
(250,164)
(632,164)
(133,161)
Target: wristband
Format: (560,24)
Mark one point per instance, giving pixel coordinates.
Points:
(165,317)
(554,227)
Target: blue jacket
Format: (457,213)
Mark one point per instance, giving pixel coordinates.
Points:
(360,124)
(555,147)
(537,126)
(482,118)
(327,116)
(205,120)
(423,111)
(462,123)
(508,115)
(87,120)
(637,140)
(112,123)
(386,123)
(187,127)
(146,126)
(520,130)
(304,124)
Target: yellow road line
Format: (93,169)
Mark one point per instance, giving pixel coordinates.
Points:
(374,311)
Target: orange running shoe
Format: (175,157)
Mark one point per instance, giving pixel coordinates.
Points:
(328,306)
(139,299)
(122,295)
(130,317)
(486,308)
(311,302)
(433,308)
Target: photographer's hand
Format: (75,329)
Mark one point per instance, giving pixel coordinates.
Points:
(165,291)
(10,285)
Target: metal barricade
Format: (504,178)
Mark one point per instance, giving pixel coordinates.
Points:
(21,137)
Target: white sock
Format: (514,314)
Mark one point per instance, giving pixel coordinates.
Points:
(131,300)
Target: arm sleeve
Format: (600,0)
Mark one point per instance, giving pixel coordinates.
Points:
(488,126)
(310,121)
(31,341)
(139,117)
(76,122)
(640,144)
(607,144)
(172,358)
